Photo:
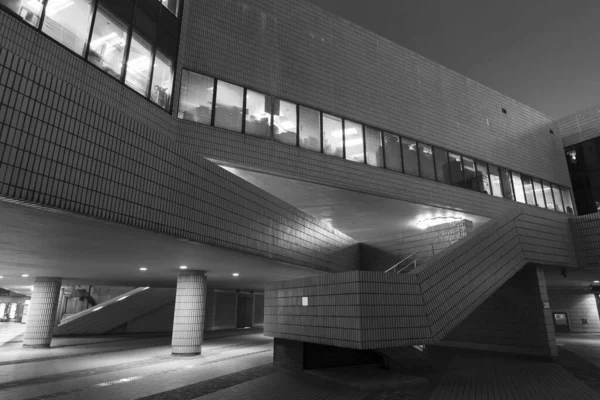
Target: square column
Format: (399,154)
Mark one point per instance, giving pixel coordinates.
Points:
(190,304)
(41,317)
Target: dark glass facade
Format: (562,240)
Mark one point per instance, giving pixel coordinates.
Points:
(583,160)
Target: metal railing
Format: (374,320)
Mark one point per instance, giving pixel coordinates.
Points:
(412,258)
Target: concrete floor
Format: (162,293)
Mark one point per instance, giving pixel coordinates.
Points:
(238,365)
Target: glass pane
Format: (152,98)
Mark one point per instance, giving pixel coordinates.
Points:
(228,107)
(355,150)
(333,136)
(539,193)
(258,114)
(518,187)
(456,169)
(470,174)
(426,161)
(566,196)
(528,186)
(138,65)
(410,157)
(548,195)
(196,98)
(495,181)
(506,184)
(374,147)
(162,81)
(285,122)
(109,37)
(442,167)
(483,178)
(172,5)
(29,10)
(557,199)
(68,22)
(310,129)
(393,154)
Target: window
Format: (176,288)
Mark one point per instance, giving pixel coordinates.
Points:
(29,10)
(109,38)
(374,147)
(162,81)
(353,139)
(548,196)
(410,157)
(470,174)
(258,114)
(68,22)
(518,187)
(568,202)
(495,180)
(393,154)
(171,5)
(196,98)
(506,180)
(310,129)
(285,122)
(426,161)
(483,178)
(442,166)
(539,193)
(228,107)
(457,177)
(529,193)
(139,65)
(557,198)
(333,136)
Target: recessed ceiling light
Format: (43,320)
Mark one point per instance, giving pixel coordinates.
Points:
(235,274)
(1,277)
(143,269)
(596,281)
(183,267)
(25,276)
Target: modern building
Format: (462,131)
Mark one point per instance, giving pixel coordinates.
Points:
(272,161)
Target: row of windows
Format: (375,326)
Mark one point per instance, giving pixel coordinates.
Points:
(214,102)
(134,41)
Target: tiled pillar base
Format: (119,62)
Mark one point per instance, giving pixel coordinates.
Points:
(190,303)
(42,312)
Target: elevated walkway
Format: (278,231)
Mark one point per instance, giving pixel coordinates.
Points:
(373,310)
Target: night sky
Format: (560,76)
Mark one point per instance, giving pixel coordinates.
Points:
(543,53)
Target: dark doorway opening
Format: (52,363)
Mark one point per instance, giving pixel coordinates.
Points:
(245,309)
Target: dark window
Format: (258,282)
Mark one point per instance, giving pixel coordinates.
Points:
(353,139)
(506,184)
(518,186)
(456,169)
(470,174)
(393,154)
(374,147)
(410,157)
(228,108)
(483,178)
(495,180)
(285,122)
(258,114)
(539,193)
(529,192)
(310,129)
(568,202)
(69,22)
(333,136)
(426,161)
(504,111)
(196,97)
(442,166)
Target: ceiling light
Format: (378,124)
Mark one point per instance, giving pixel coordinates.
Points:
(143,269)
(429,222)
(235,274)
(1,277)
(25,276)
(596,281)
(183,267)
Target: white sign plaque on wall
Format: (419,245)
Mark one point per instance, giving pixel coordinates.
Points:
(305,302)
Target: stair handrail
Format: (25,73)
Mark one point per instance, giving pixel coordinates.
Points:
(404,259)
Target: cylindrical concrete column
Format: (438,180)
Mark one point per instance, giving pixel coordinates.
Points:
(190,303)
(41,316)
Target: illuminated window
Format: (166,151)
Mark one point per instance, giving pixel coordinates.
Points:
(426,161)
(470,174)
(539,193)
(353,139)
(333,136)
(162,81)
(29,10)
(550,203)
(442,167)
(506,180)
(258,114)
(285,125)
(196,97)
(228,108)
(557,198)
(139,65)
(109,38)
(518,186)
(495,180)
(310,129)
(456,169)
(529,192)
(68,22)
(483,178)
(568,202)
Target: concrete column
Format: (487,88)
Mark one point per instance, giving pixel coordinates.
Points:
(42,312)
(190,303)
